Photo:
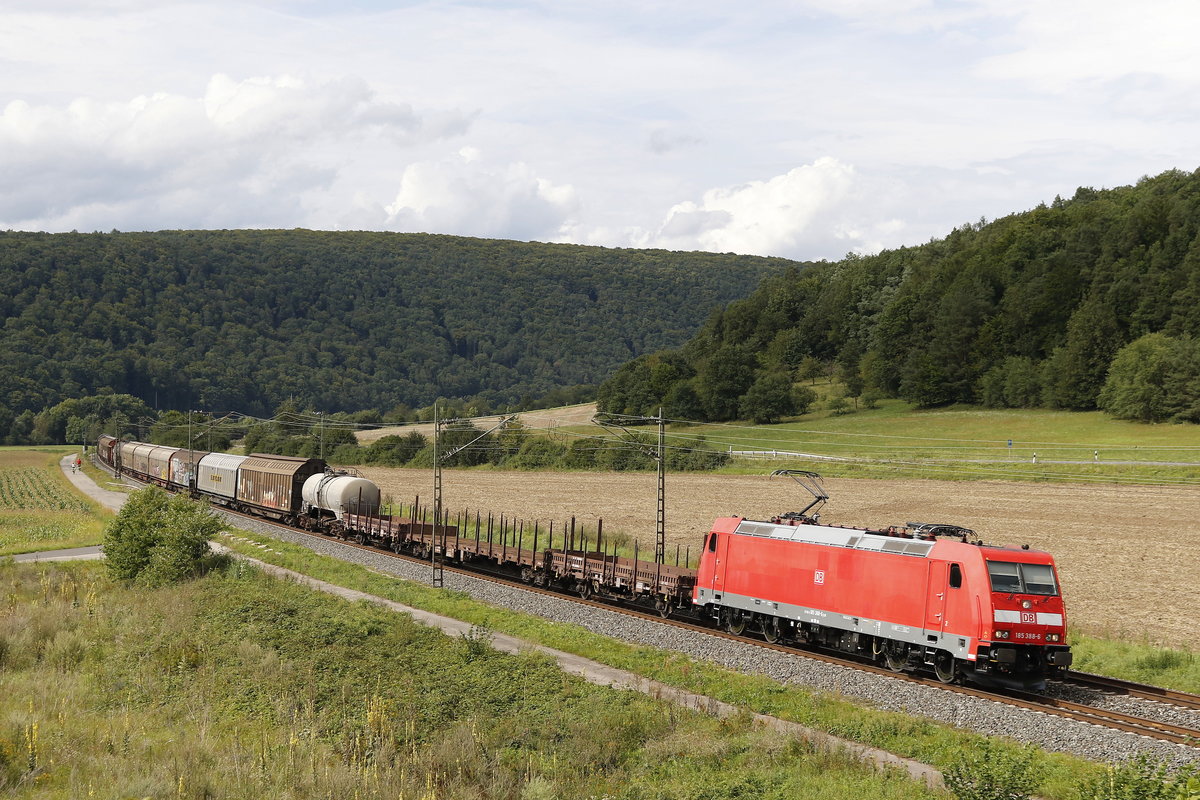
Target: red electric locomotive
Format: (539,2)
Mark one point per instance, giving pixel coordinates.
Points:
(921,595)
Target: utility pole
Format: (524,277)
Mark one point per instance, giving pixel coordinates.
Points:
(438,456)
(191,456)
(659,455)
(660,530)
(434,561)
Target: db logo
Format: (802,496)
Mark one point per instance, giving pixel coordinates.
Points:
(819,577)
(1028,618)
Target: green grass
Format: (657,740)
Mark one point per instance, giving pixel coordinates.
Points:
(959,443)
(237,685)
(1140,662)
(916,738)
(39,508)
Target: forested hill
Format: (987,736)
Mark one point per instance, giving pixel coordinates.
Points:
(1092,301)
(338,321)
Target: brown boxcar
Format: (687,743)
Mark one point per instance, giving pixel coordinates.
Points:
(105,449)
(275,483)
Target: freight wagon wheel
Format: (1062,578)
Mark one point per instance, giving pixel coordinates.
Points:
(584,588)
(397,545)
(944,667)
(771,631)
(526,575)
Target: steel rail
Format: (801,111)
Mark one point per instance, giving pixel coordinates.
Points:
(1144,691)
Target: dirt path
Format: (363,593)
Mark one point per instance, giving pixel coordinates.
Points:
(1128,556)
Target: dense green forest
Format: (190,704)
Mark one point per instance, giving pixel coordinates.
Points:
(246,320)
(1090,302)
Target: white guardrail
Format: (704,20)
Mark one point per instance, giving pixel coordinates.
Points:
(776,454)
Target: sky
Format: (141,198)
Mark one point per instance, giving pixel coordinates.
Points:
(806,129)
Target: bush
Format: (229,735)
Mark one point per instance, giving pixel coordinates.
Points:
(993,773)
(157,540)
(699,456)
(581,454)
(538,453)
(768,399)
(1142,779)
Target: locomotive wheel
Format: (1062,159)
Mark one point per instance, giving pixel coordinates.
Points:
(735,623)
(771,630)
(662,607)
(944,667)
(895,659)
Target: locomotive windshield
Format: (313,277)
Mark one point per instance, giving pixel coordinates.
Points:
(1014,578)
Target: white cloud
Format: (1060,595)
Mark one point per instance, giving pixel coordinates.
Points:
(1062,44)
(588,122)
(465,195)
(810,209)
(242,154)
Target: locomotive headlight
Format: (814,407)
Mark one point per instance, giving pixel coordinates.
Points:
(1001,634)
(1053,637)
(1026,604)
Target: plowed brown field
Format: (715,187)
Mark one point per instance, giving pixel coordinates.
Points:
(1128,557)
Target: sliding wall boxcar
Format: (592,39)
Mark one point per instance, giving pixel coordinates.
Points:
(276,482)
(184,466)
(217,475)
(158,463)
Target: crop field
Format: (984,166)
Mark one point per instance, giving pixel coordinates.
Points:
(1126,554)
(38,508)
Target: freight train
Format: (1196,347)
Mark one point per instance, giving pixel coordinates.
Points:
(916,597)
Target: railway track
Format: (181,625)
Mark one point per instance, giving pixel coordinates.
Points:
(1078,711)
(1116,686)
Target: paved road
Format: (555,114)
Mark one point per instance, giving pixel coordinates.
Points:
(74,554)
(109,499)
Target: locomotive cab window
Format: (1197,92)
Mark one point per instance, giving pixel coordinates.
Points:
(955,576)
(1013,578)
(712,543)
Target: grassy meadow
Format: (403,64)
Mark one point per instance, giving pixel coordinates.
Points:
(898,440)
(238,685)
(39,509)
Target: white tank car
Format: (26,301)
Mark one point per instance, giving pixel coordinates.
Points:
(333,494)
